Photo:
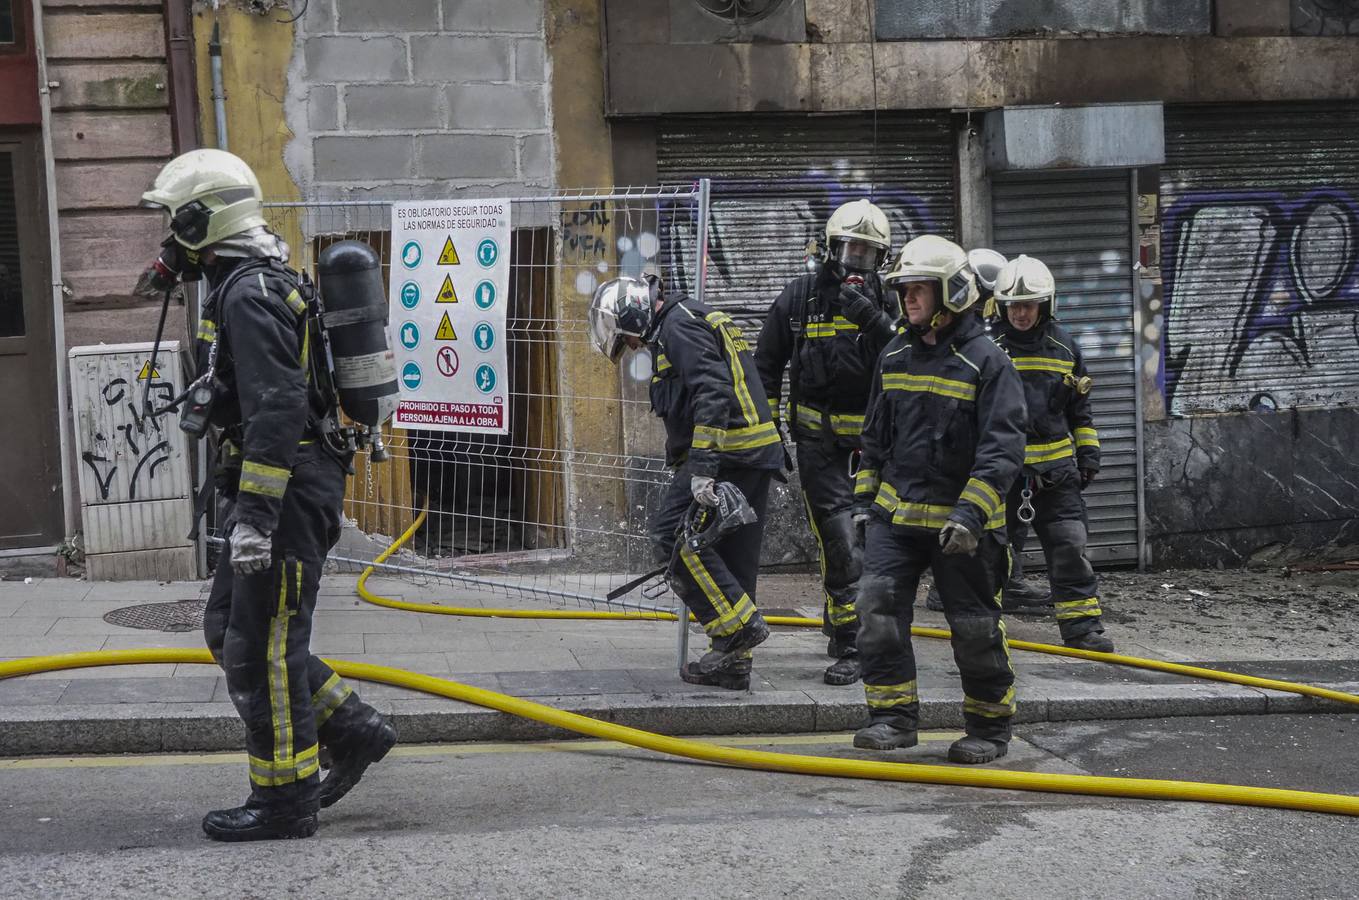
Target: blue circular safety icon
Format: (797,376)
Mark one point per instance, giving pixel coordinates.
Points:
(485,378)
(411,376)
(410,295)
(488,251)
(411,254)
(484,295)
(484,336)
(410,335)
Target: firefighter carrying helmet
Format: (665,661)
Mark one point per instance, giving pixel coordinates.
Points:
(210,195)
(1026,280)
(620,308)
(932,258)
(859,220)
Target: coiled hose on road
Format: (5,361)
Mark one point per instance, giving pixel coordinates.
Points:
(1132,788)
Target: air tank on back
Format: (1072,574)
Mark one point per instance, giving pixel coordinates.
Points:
(350,276)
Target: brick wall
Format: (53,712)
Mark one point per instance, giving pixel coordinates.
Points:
(420,98)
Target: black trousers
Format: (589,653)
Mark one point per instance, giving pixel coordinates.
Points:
(828,495)
(717,583)
(894,559)
(258,628)
(1060,523)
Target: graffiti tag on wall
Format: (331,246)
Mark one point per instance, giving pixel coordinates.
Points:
(1262,297)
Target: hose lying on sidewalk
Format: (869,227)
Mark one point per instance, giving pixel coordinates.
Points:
(1134,788)
(1120,659)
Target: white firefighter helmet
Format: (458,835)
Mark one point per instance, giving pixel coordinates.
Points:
(620,308)
(1025,279)
(210,195)
(986,264)
(932,258)
(859,220)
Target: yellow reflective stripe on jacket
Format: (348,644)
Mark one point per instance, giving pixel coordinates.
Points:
(991,710)
(724,440)
(207,330)
(722,323)
(1087,437)
(925,515)
(810,417)
(269,481)
(882,696)
(866,481)
(274,772)
(1041,453)
(1043,364)
(929,384)
(295,302)
(983,495)
(839,325)
(1078,609)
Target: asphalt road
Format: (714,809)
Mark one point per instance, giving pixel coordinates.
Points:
(594,820)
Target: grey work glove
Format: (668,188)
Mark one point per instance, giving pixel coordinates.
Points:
(251,550)
(704,489)
(955,537)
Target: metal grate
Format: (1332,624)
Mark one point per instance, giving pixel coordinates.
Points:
(182,615)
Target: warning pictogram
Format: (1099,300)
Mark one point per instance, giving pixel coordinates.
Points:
(445,332)
(449,255)
(147,372)
(446,292)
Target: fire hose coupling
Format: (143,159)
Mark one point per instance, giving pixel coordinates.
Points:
(1082,384)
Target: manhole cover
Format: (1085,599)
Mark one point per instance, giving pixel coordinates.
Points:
(182,615)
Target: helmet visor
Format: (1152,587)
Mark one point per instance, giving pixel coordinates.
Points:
(857,256)
(604,333)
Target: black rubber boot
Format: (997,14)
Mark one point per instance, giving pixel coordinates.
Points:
(350,760)
(737,678)
(726,652)
(1023,596)
(257,822)
(1091,640)
(973,751)
(881,736)
(845,670)
(933,601)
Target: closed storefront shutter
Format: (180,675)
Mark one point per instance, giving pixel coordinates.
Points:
(1080,224)
(1260,257)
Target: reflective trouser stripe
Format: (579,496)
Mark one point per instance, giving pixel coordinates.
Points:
(329,698)
(1077,609)
(885,696)
(280,708)
(273,773)
(1004,707)
(729,618)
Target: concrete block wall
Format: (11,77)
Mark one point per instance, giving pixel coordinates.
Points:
(413,99)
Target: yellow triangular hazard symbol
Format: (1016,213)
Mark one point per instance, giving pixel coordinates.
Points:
(445,332)
(449,255)
(147,372)
(446,292)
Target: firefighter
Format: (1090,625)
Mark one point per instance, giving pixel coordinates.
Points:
(828,328)
(1061,458)
(283,483)
(719,435)
(943,441)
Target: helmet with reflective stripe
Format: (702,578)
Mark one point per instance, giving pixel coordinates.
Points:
(621,308)
(936,259)
(1026,280)
(210,195)
(859,220)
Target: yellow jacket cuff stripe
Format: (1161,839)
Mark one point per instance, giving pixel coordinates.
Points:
(258,478)
(1087,437)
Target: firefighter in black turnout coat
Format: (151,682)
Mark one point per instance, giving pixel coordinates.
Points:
(1061,457)
(827,328)
(943,442)
(283,484)
(724,448)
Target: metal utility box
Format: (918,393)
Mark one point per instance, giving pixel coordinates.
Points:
(136,473)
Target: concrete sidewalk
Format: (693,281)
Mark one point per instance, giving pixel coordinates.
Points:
(624,672)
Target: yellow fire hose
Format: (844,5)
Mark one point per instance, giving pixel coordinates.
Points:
(1133,788)
(1120,659)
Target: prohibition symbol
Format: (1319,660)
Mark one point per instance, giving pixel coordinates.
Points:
(446,292)
(447,361)
(449,255)
(445,332)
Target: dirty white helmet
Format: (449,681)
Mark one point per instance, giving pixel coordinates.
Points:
(621,308)
(859,220)
(937,259)
(986,264)
(210,195)
(1025,279)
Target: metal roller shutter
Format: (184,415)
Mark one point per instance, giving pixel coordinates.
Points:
(1080,224)
(775,181)
(1260,248)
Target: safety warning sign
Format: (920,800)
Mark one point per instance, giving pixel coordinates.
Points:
(427,301)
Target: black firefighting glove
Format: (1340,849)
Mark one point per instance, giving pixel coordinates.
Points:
(1087,476)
